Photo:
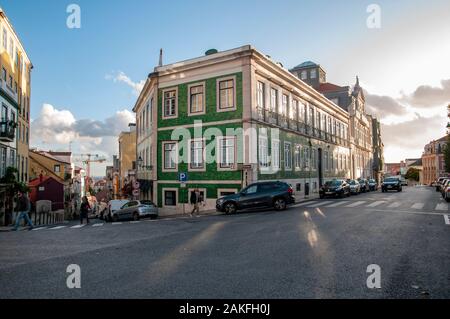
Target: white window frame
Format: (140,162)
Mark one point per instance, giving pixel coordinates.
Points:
(170,189)
(260,94)
(298,157)
(190,168)
(275,163)
(263,155)
(287,159)
(228,109)
(220,140)
(203,106)
(164,117)
(164,169)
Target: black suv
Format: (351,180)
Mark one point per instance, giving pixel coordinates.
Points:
(390,184)
(336,187)
(262,194)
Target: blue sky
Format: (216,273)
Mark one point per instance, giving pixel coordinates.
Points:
(74,68)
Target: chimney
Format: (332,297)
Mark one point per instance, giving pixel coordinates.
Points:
(160,57)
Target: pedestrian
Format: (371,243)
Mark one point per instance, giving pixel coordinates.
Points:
(196,199)
(23,207)
(84,210)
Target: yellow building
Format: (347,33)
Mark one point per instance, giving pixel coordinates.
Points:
(15,88)
(127,156)
(53,164)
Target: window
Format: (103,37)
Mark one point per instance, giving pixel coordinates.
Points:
(170,198)
(5,39)
(273,100)
(196,99)
(197,160)
(4,113)
(298,157)
(306,155)
(311,116)
(287,156)
(302,112)
(11,48)
(284,105)
(260,94)
(318,120)
(3,161)
(57,169)
(303,75)
(10,82)
(251,189)
(12,158)
(4,74)
(221,192)
(335,100)
(226,94)
(170,104)
(293,114)
(170,155)
(275,154)
(313,73)
(314,158)
(227,152)
(263,152)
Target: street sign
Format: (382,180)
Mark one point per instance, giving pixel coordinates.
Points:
(183,177)
(136,192)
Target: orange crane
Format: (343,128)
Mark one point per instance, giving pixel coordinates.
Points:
(91,158)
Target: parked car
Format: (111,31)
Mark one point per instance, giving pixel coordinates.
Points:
(364,184)
(391,183)
(438,183)
(257,195)
(113,206)
(355,187)
(444,187)
(446,193)
(441,184)
(335,187)
(136,210)
(373,186)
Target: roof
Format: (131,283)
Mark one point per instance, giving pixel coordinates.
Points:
(62,156)
(418,162)
(54,155)
(443,139)
(306,64)
(330,87)
(37,181)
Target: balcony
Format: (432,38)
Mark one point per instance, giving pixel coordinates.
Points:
(7,131)
(6,88)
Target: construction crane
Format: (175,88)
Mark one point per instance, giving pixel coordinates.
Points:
(91,158)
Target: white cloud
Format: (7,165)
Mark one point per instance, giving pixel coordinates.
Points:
(122,77)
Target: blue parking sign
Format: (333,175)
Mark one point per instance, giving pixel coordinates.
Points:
(183,177)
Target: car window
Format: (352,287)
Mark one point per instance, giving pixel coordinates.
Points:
(390,180)
(267,187)
(147,202)
(251,190)
(134,203)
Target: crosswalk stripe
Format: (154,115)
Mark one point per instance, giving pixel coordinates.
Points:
(336,204)
(135,222)
(319,204)
(78,226)
(447,220)
(356,204)
(305,203)
(442,206)
(58,227)
(118,223)
(418,206)
(394,205)
(98,225)
(40,228)
(375,204)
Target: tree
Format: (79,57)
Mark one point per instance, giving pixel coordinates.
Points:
(447,155)
(412,174)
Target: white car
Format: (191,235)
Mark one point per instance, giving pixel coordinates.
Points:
(113,206)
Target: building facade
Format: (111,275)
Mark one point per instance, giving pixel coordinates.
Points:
(127,156)
(15,88)
(52,164)
(352,101)
(433,163)
(225,120)
(378,150)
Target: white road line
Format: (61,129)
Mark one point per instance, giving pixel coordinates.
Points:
(319,204)
(98,225)
(375,204)
(336,204)
(447,220)
(58,227)
(394,205)
(356,204)
(304,204)
(135,222)
(442,206)
(418,206)
(40,228)
(118,223)
(78,226)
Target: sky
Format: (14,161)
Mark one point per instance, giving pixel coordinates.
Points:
(85,81)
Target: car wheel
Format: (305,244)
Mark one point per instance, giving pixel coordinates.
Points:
(279,204)
(447,200)
(153,217)
(115,218)
(348,194)
(136,216)
(230,208)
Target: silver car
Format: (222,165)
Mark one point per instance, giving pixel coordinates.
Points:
(136,210)
(355,187)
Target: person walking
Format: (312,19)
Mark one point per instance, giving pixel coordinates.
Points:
(23,207)
(84,210)
(196,199)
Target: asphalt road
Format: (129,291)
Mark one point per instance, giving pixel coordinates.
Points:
(307,251)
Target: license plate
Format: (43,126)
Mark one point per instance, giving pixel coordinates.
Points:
(389,186)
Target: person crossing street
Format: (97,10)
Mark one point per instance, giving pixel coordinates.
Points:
(23,208)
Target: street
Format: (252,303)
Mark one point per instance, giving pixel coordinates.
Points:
(315,249)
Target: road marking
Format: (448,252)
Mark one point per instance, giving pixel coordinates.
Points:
(58,227)
(375,204)
(78,226)
(336,204)
(442,206)
(418,206)
(405,212)
(40,228)
(98,225)
(319,204)
(447,220)
(356,204)
(118,223)
(394,205)
(304,204)
(135,222)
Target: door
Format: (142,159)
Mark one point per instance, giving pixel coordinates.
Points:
(249,197)
(320,167)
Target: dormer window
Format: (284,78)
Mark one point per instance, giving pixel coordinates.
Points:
(313,73)
(303,75)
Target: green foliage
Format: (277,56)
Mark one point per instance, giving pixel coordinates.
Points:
(13,185)
(412,174)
